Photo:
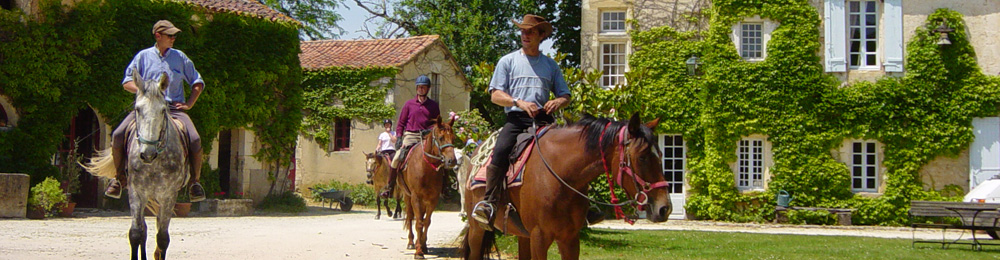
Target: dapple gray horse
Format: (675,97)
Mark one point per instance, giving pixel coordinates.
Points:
(157,165)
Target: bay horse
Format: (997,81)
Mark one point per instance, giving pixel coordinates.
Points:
(157,165)
(549,208)
(377,166)
(422,180)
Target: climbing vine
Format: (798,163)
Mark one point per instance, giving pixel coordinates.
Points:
(72,57)
(344,92)
(804,112)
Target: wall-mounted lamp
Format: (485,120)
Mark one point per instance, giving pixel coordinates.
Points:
(943,31)
(692,64)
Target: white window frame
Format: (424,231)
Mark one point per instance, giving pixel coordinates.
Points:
(750,167)
(766,28)
(751,45)
(863,166)
(861,54)
(612,21)
(613,65)
(673,175)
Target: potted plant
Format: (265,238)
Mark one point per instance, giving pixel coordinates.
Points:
(44,198)
(183,205)
(70,181)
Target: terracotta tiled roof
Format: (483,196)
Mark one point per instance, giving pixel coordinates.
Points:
(243,7)
(362,53)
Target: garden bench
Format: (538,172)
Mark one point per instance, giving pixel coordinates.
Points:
(843,215)
(972,216)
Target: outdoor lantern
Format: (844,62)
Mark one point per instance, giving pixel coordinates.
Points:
(943,31)
(692,64)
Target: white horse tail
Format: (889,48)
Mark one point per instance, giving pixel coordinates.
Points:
(102,165)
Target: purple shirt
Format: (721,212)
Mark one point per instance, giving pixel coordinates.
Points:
(417,116)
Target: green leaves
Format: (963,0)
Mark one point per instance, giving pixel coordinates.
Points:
(336,93)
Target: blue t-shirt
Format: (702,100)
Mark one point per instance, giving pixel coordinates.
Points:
(528,78)
(177,65)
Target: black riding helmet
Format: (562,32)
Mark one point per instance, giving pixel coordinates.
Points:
(386,122)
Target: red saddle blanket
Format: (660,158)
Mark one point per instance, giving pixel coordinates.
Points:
(515,172)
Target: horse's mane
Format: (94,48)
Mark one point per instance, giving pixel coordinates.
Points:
(597,136)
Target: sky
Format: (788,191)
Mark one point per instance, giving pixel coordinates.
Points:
(354,18)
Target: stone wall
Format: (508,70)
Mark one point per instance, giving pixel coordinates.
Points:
(14,189)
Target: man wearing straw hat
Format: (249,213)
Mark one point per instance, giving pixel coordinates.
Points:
(521,84)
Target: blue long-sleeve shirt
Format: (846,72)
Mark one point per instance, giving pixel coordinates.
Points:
(179,69)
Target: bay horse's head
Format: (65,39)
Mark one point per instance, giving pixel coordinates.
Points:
(442,142)
(151,115)
(642,157)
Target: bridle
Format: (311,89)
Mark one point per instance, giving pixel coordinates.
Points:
(158,142)
(440,150)
(624,168)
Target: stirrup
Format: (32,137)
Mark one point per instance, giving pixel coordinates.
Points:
(114,189)
(483,213)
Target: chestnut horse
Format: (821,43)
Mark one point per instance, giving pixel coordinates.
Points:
(422,180)
(377,166)
(550,208)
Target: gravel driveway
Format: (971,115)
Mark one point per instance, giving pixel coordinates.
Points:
(320,233)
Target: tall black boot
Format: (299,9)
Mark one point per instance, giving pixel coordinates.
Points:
(485,210)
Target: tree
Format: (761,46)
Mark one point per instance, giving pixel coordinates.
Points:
(477,31)
(318,17)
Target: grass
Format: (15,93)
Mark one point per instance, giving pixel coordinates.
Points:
(665,244)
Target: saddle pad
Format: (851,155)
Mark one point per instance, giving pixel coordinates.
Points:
(515,173)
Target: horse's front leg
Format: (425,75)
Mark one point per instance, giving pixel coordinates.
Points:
(378,207)
(137,233)
(523,248)
(162,233)
(540,245)
(570,248)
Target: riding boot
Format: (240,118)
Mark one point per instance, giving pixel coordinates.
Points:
(116,185)
(391,187)
(485,210)
(196,192)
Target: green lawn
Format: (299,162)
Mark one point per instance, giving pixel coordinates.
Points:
(666,244)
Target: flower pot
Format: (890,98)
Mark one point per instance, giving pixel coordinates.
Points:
(66,209)
(35,213)
(181,209)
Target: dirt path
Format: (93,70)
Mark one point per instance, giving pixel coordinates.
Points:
(319,234)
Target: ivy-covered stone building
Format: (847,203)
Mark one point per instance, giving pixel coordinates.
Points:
(62,62)
(355,85)
(863,104)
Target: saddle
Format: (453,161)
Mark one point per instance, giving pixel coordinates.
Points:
(518,157)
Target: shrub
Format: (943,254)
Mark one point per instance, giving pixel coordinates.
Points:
(286,202)
(46,195)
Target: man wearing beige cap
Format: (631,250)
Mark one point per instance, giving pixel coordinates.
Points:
(151,63)
(521,84)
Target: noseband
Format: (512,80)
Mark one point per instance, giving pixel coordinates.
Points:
(158,143)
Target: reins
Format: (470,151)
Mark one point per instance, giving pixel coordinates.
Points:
(158,143)
(624,167)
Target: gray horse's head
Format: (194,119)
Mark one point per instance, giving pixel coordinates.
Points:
(151,115)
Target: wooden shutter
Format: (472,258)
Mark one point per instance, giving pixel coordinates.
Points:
(835,47)
(892,35)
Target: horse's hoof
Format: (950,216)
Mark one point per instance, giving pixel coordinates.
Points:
(377,217)
(410,246)
(420,256)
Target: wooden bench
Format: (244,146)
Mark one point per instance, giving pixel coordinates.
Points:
(971,216)
(843,215)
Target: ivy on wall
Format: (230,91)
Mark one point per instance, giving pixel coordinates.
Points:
(804,112)
(344,92)
(73,57)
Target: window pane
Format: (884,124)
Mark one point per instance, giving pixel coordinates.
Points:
(870,33)
(870,46)
(870,60)
(870,19)
(870,6)
(855,46)
(870,147)
(855,20)
(855,6)
(854,60)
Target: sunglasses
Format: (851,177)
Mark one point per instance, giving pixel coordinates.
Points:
(172,36)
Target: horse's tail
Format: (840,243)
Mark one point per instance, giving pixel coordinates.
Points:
(153,206)
(463,251)
(102,165)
